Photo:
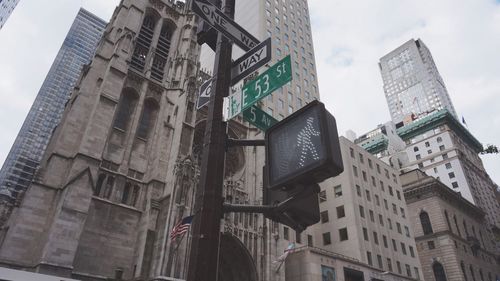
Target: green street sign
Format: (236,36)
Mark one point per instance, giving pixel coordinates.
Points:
(272,79)
(259,118)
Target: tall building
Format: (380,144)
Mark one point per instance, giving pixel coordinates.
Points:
(364,221)
(452,242)
(45,113)
(6,8)
(288,24)
(412,83)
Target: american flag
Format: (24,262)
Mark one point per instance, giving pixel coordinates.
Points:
(181,227)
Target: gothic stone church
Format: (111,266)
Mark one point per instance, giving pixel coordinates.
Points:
(122,166)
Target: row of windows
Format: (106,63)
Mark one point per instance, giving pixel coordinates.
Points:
(389,265)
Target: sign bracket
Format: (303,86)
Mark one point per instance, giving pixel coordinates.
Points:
(238,142)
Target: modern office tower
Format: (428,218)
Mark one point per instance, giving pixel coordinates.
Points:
(288,24)
(364,217)
(6,8)
(45,113)
(412,83)
(452,241)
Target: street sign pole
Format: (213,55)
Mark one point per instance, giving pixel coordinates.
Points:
(203,257)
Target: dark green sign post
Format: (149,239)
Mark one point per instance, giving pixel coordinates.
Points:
(259,118)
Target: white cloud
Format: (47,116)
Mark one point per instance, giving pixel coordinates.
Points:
(463,36)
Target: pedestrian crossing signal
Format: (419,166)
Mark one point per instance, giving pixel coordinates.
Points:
(303,148)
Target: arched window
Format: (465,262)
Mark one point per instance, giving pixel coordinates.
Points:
(465,227)
(471,269)
(162,50)
(462,266)
(148,118)
(143,42)
(438,270)
(125,110)
(135,195)
(415,148)
(426,223)
(126,193)
(98,186)
(448,220)
(481,274)
(456,225)
(108,189)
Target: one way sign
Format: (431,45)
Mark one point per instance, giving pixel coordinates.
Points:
(251,61)
(204,93)
(222,23)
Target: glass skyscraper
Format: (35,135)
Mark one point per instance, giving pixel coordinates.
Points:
(45,113)
(412,83)
(6,8)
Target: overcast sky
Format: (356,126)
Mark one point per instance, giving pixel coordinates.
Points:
(349,38)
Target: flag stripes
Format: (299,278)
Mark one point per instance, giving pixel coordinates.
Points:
(181,227)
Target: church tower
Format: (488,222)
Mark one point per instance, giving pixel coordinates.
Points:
(118,171)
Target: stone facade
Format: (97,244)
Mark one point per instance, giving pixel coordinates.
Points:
(452,240)
(122,166)
(364,216)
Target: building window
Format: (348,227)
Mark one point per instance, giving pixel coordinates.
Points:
(439,139)
(403,248)
(368,197)
(322,196)
(309,240)
(415,149)
(389,264)
(148,118)
(451,175)
(143,44)
(398,227)
(358,190)
(324,216)
(471,269)
(365,234)
(394,245)
(361,158)
(389,222)
(379,260)
(327,239)
(408,270)
(398,194)
(361,211)
(403,214)
(454,184)
(394,209)
(337,190)
(355,170)
(448,165)
(427,144)
(441,147)
(407,231)
(369,257)
(375,237)
(162,50)
(438,270)
(398,264)
(412,252)
(377,200)
(462,266)
(286,234)
(426,223)
(381,220)
(125,110)
(384,239)
(343,234)
(340,212)
(448,221)
(372,216)
(431,245)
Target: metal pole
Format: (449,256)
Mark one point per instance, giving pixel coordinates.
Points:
(203,262)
